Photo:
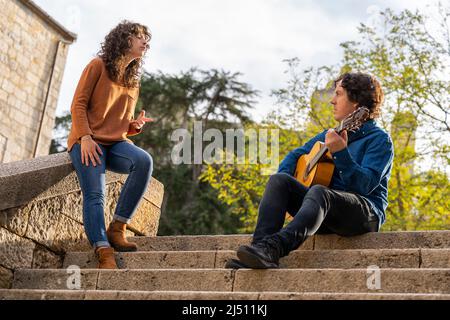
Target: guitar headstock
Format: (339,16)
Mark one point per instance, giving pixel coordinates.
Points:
(354,121)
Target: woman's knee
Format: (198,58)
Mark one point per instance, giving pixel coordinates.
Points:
(94,197)
(145,161)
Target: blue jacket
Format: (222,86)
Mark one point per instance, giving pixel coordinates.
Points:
(364,167)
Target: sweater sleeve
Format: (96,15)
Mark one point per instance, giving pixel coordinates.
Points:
(83,92)
(131,130)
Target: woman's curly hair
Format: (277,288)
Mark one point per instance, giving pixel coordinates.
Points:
(114,49)
(363,89)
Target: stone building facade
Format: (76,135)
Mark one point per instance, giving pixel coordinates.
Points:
(33,49)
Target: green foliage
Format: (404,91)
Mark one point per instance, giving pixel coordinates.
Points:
(410,62)
(61,129)
(218,100)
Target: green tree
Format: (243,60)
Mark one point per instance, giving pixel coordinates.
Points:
(413,65)
(218,100)
(60,132)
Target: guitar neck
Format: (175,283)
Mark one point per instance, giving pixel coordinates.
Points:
(323,149)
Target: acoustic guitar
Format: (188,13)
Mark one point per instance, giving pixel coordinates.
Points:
(317,166)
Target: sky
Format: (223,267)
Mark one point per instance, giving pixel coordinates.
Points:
(248,36)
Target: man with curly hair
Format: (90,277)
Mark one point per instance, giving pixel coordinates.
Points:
(353,204)
(102,120)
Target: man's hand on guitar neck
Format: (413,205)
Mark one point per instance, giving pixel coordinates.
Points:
(335,142)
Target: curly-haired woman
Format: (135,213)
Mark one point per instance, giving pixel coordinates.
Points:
(102,120)
(355,201)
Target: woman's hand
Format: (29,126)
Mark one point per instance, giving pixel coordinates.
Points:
(140,121)
(90,150)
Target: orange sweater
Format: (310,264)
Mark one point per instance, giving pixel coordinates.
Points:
(101,108)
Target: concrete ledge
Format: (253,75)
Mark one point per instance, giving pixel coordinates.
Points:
(147,280)
(342,280)
(279,280)
(51,176)
(301,259)
(26,294)
(148,260)
(41,211)
(23,181)
(382,240)
(199,243)
(373,240)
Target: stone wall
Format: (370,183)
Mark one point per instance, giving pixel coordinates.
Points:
(41,213)
(28,42)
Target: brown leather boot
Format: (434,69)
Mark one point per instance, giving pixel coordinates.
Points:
(116,237)
(106,258)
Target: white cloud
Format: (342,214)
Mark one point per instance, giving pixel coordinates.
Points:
(250,36)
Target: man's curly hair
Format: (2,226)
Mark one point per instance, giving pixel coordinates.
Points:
(363,89)
(114,49)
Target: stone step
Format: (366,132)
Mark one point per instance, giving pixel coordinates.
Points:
(373,240)
(29,294)
(285,280)
(345,259)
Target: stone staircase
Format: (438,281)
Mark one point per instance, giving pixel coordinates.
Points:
(412,265)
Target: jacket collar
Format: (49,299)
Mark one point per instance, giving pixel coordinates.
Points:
(365,129)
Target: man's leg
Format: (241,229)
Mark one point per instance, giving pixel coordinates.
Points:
(283,194)
(342,212)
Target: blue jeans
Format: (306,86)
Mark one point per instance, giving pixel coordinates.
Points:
(121,157)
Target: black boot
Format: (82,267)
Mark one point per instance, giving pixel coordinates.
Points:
(266,253)
(263,255)
(235,264)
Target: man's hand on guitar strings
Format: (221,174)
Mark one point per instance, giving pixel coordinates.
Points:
(336,142)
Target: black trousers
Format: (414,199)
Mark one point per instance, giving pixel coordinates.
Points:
(315,210)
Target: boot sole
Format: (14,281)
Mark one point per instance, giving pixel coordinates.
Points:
(124,249)
(254,261)
(235,264)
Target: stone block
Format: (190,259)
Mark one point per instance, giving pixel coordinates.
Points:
(15,219)
(43,221)
(435,258)
(166,280)
(6,278)
(352,259)
(15,252)
(340,280)
(385,240)
(70,234)
(147,260)
(54,279)
(46,259)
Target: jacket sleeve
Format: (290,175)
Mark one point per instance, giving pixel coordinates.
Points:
(289,163)
(365,177)
(83,92)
